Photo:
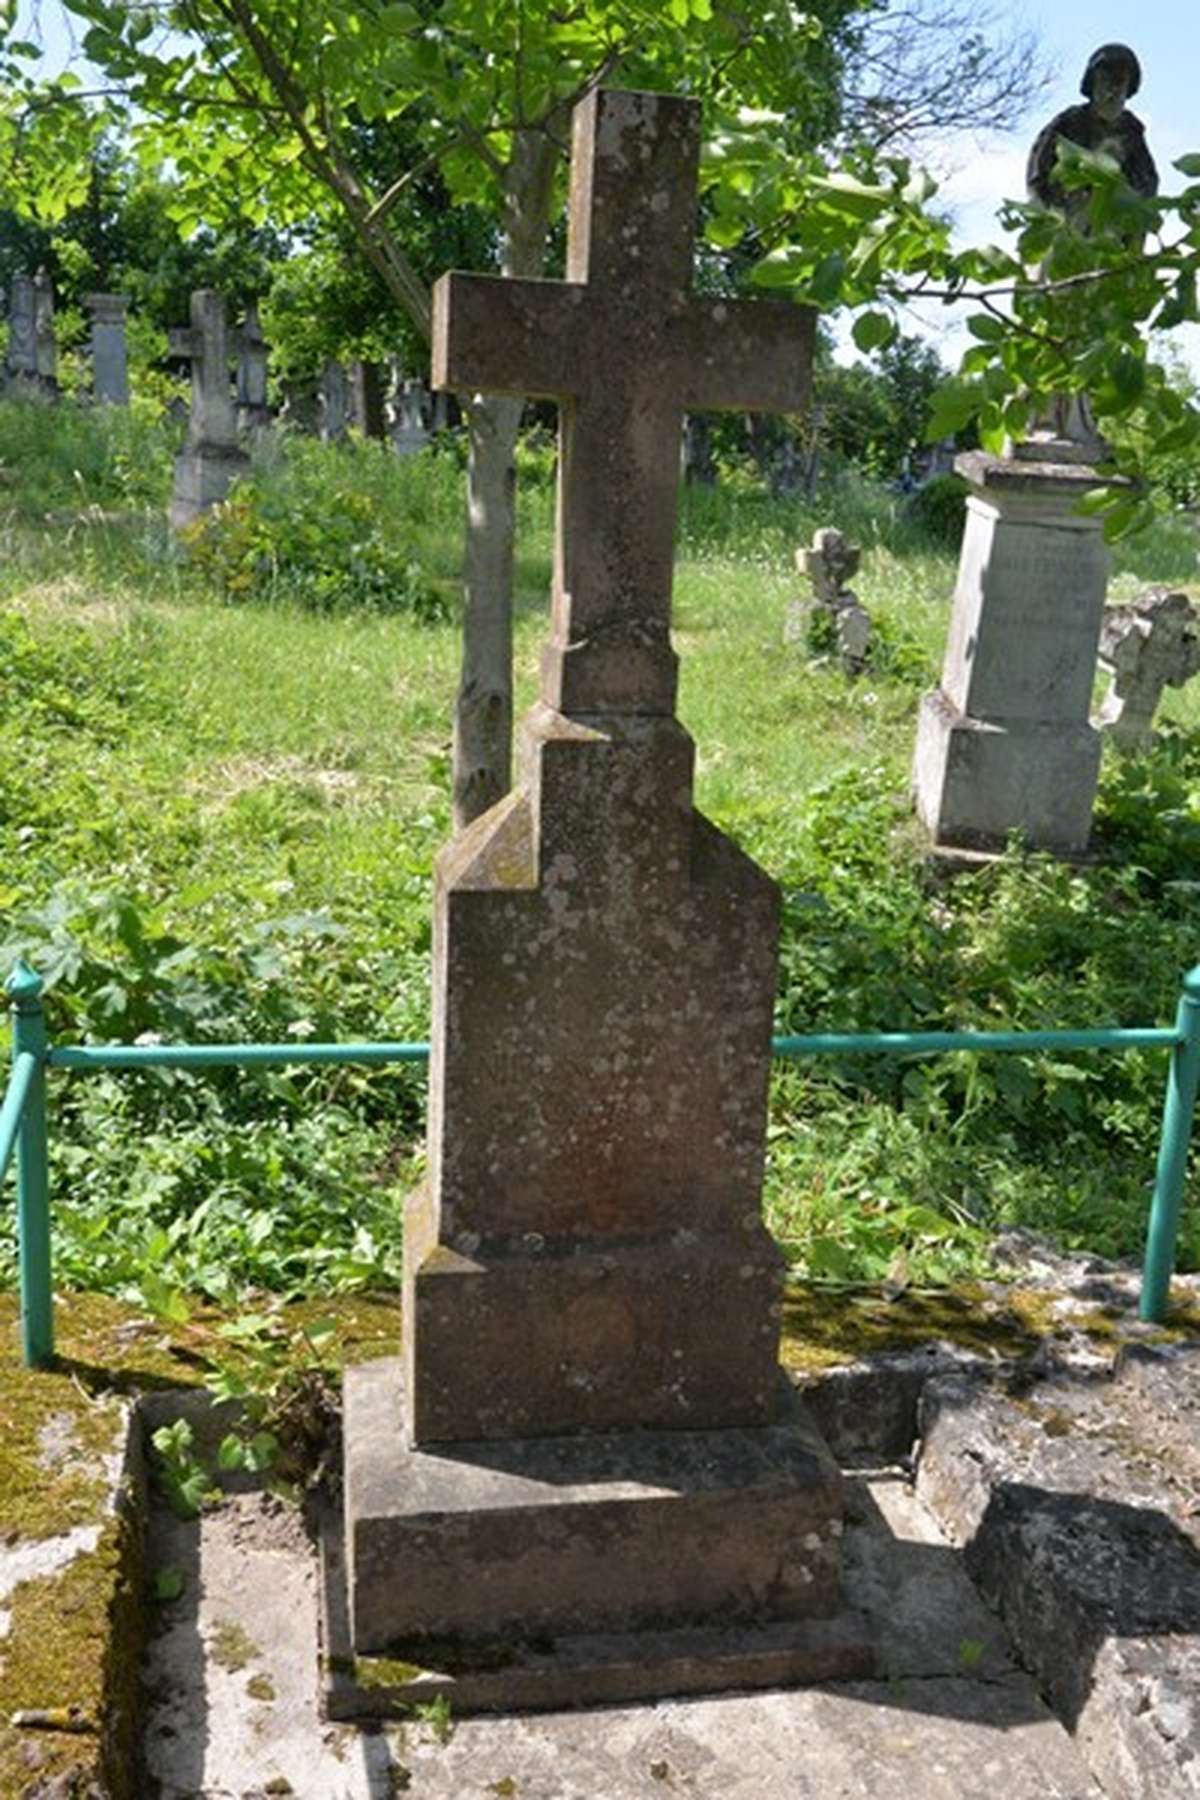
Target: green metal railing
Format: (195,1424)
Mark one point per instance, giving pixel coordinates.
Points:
(23,1113)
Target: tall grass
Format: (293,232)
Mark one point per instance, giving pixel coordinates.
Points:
(219,810)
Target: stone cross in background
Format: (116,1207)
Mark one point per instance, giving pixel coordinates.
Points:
(334,403)
(250,347)
(211,457)
(589,1433)
(830,563)
(1152,643)
(110,366)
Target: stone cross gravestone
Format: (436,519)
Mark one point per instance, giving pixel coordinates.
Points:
(110,366)
(587,1431)
(830,563)
(1152,643)
(250,347)
(211,457)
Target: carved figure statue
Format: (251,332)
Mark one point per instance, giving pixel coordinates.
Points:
(1113,75)
(1067,430)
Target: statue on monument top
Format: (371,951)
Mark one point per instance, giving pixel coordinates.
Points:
(1067,431)
(1113,75)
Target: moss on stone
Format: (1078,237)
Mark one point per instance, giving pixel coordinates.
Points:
(261,1687)
(823,1326)
(72,1647)
(231,1647)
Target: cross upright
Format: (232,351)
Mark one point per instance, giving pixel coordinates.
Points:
(205,344)
(625,348)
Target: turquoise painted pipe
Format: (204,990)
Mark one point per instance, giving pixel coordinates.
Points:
(217,1056)
(11,1113)
(33,1170)
(1183,1078)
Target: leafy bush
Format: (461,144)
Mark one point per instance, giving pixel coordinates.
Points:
(940,508)
(66,456)
(305,529)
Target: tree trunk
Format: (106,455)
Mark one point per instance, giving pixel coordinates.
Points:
(484,708)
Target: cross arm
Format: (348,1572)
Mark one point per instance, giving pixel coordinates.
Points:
(744,355)
(497,336)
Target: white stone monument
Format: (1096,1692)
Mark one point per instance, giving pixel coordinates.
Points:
(1005,744)
(211,457)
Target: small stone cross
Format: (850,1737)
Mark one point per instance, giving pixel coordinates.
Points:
(625,349)
(205,344)
(830,562)
(1152,643)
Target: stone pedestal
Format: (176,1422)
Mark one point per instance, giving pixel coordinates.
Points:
(1005,743)
(110,370)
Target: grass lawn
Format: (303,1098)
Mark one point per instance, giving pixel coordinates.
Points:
(224,776)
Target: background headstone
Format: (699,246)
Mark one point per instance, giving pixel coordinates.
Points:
(410,429)
(45,347)
(20,361)
(211,457)
(1005,743)
(334,403)
(253,411)
(610,1453)
(110,366)
(367,413)
(1152,643)
(830,563)
(301,406)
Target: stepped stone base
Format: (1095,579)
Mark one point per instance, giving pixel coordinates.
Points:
(204,475)
(605,1566)
(978,780)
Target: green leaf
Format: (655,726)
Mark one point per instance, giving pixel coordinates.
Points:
(954,405)
(169,1583)
(872,330)
(1188,165)
(988,329)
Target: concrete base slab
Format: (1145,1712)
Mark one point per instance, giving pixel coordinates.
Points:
(616,1532)
(232,1694)
(585,1669)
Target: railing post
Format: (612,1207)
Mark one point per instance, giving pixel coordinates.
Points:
(1183,1077)
(24,987)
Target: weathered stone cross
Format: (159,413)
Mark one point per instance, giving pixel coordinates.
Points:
(205,345)
(625,349)
(586,1432)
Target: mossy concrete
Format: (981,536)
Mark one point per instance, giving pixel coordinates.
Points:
(70,1509)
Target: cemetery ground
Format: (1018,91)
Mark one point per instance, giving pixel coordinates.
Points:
(223,779)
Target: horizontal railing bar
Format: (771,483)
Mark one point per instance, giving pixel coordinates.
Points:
(827,1043)
(23,1071)
(211,1056)
(919,1043)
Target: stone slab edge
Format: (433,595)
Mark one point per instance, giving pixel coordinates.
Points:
(1098,1594)
(584,1670)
